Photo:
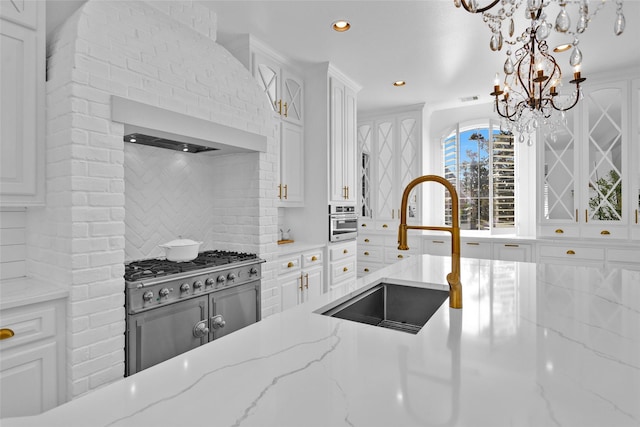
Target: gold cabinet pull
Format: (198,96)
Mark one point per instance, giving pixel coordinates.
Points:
(300,287)
(511,246)
(605,232)
(366,240)
(473,243)
(636,216)
(363,225)
(286,110)
(570,252)
(586,215)
(392,213)
(347,192)
(400,256)
(559,231)
(345,269)
(286,192)
(345,251)
(576,215)
(366,270)
(6,333)
(290,264)
(279,106)
(385,226)
(306,285)
(314,258)
(438,241)
(279,191)
(366,253)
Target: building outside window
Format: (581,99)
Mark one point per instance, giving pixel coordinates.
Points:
(479,160)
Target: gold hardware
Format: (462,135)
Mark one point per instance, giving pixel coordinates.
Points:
(279,191)
(392,212)
(344,192)
(348,192)
(438,241)
(636,216)
(290,264)
(366,270)
(300,287)
(6,333)
(307,284)
(345,251)
(366,240)
(366,253)
(363,225)
(576,215)
(286,192)
(453,278)
(559,231)
(385,226)
(473,243)
(280,106)
(286,110)
(400,256)
(345,269)
(605,232)
(511,246)
(570,252)
(314,258)
(586,216)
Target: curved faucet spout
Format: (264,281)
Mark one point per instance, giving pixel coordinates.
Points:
(453,278)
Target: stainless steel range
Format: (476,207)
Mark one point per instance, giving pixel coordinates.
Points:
(173,307)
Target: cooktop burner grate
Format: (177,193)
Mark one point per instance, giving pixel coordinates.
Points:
(150,268)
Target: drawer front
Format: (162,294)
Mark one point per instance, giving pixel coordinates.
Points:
(437,246)
(512,252)
(28,324)
(371,254)
(572,253)
(387,226)
(367,268)
(413,242)
(391,256)
(472,249)
(559,231)
(342,270)
(626,256)
(289,264)
(341,252)
(370,240)
(605,232)
(311,259)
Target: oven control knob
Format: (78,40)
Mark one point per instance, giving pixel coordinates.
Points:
(209,282)
(218,321)
(231,276)
(185,287)
(253,271)
(221,279)
(147,296)
(197,285)
(200,329)
(164,292)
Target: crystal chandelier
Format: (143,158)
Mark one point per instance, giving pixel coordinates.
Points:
(532,94)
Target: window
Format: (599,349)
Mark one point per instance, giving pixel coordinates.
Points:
(479,162)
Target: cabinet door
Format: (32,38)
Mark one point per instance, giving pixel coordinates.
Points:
(634,166)
(267,73)
(238,306)
(365,188)
(312,283)
(386,171)
(291,165)
(338,192)
(290,291)
(18,103)
(292,98)
(21,12)
(350,148)
(28,381)
(408,155)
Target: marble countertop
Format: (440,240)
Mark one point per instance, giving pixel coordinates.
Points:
(26,290)
(534,345)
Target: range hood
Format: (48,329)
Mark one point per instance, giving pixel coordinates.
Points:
(158,127)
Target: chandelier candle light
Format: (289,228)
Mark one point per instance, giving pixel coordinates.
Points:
(533,79)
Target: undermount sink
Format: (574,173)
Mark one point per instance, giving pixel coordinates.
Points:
(399,307)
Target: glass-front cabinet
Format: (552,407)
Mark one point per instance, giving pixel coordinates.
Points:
(584,168)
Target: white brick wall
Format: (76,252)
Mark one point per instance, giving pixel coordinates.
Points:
(107,202)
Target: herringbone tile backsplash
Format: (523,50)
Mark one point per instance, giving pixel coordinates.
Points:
(196,196)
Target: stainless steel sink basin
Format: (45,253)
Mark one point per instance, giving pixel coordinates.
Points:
(398,307)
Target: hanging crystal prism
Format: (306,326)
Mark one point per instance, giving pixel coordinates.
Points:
(457,3)
(543,31)
(473,5)
(619,25)
(512,28)
(496,41)
(576,57)
(562,21)
(508,64)
(582,23)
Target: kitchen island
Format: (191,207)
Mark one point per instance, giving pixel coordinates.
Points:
(534,345)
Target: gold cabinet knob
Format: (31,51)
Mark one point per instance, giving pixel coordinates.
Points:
(6,333)
(345,251)
(364,225)
(366,240)
(605,232)
(400,256)
(345,269)
(570,252)
(385,226)
(314,258)
(366,270)
(366,253)
(559,231)
(290,264)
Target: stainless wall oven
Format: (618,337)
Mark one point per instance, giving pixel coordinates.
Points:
(343,223)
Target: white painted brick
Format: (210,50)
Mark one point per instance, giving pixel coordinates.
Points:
(108,346)
(100,259)
(79,293)
(90,275)
(84,369)
(142,68)
(126,77)
(106,199)
(85,183)
(142,95)
(90,123)
(109,375)
(80,355)
(92,306)
(107,228)
(79,387)
(79,324)
(105,170)
(79,261)
(92,66)
(107,317)
(89,93)
(92,245)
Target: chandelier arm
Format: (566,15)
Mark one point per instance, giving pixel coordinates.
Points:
(506,114)
(575,101)
(481,10)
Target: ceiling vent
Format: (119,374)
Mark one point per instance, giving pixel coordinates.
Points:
(469,98)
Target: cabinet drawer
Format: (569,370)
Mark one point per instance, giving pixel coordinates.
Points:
(391,256)
(341,252)
(390,226)
(624,256)
(370,240)
(367,268)
(413,242)
(342,270)
(371,254)
(28,324)
(572,253)
(437,246)
(559,231)
(311,259)
(474,249)
(512,251)
(289,264)
(605,232)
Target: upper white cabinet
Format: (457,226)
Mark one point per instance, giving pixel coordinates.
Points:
(585,173)
(284,91)
(635,159)
(342,108)
(22,102)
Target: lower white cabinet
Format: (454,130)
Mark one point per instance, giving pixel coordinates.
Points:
(32,378)
(571,253)
(342,267)
(300,277)
(512,251)
(379,248)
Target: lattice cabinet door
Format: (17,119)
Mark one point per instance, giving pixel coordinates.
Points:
(365,141)
(385,208)
(267,73)
(408,155)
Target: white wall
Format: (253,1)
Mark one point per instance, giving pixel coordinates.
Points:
(12,243)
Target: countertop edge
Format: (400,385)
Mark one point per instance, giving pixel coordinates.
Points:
(24,291)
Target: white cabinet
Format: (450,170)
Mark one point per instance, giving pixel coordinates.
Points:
(32,369)
(584,169)
(342,138)
(571,253)
(301,277)
(22,102)
(512,252)
(342,267)
(635,160)
(291,186)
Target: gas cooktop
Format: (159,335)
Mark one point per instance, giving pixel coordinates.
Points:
(159,267)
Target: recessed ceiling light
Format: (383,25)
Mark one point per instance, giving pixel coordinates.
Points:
(341,25)
(399,83)
(562,47)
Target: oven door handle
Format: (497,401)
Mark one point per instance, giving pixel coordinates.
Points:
(218,321)
(201,329)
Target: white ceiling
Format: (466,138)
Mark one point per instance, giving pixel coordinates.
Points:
(442,52)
